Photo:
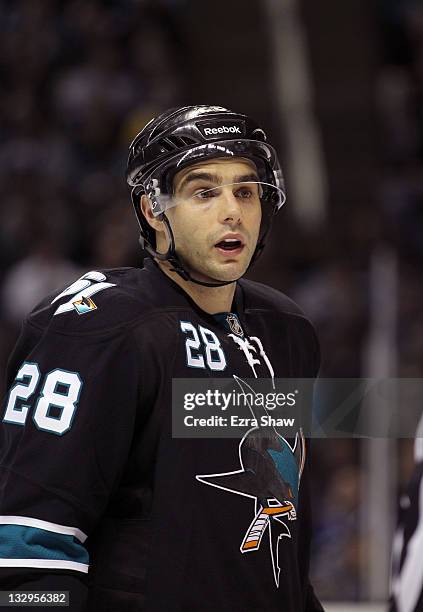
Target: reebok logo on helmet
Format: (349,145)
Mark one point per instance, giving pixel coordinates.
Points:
(233,129)
(211,130)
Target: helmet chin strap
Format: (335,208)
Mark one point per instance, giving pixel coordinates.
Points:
(177,266)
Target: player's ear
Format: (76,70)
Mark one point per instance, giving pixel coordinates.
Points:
(155,222)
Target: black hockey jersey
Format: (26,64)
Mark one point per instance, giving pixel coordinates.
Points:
(98,498)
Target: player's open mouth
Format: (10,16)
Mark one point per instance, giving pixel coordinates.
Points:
(230,246)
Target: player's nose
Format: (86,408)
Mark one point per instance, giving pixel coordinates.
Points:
(230,210)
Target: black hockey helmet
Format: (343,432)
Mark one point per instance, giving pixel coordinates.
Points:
(184,136)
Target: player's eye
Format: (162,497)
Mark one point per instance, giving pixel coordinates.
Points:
(245,193)
(205,194)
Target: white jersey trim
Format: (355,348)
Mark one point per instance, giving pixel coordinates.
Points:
(28,521)
(45,563)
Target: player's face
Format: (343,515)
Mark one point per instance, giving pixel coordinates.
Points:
(216,222)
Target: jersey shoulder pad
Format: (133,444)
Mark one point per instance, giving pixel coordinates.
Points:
(261,298)
(100,300)
(258,296)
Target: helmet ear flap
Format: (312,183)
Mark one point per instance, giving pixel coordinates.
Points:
(147,233)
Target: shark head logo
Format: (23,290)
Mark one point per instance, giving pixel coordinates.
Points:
(269,473)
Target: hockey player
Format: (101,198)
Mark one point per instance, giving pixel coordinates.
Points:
(407,551)
(97,497)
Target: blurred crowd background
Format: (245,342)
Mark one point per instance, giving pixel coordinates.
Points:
(79,79)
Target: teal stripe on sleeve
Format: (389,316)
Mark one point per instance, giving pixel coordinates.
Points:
(20,542)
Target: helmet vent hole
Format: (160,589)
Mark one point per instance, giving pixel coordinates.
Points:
(166,144)
(187,141)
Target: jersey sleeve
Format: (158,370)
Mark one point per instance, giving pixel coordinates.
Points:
(65,434)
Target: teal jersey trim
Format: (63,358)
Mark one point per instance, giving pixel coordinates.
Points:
(20,542)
